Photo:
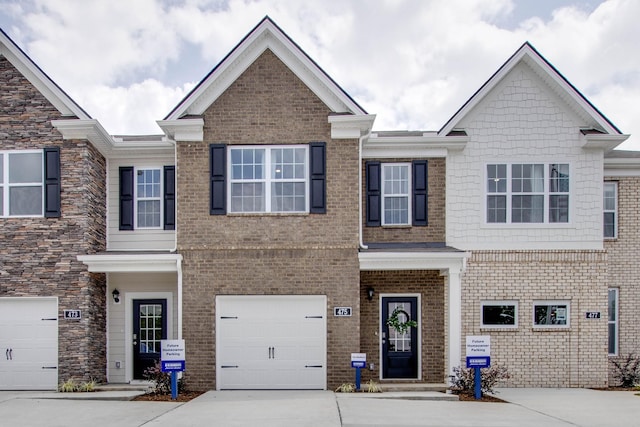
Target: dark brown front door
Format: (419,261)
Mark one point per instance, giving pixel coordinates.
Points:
(400,351)
(149,328)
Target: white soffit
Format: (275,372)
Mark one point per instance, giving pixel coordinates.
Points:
(454,261)
(136,263)
(266,35)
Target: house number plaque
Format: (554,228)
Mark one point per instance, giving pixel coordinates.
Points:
(342,311)
(73,314)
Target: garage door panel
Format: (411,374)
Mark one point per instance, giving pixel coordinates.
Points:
(272,340)
(29,341)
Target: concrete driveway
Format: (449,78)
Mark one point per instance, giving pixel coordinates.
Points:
(526,408)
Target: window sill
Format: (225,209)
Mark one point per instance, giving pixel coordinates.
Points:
(262,214)
(499,328)
(551,329)
(400,226)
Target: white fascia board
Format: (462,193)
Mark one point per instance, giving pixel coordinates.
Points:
(56,96)
(594,245)
(413,261)
(412,146)
(351,126)
(620,167)
(133,263)
(89,129)
(606,142)
(190,130)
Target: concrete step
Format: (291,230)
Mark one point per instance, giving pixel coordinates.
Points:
(402,386)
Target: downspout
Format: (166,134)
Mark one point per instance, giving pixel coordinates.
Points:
(360,224)
(175,239)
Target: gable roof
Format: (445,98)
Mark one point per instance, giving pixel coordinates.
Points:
(265,35)
(548,73)
(42,82)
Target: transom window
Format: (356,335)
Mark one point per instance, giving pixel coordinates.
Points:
(395,194)
(21,183)
(268,179)
(610,203)
(148,198)
(527,193)
(551,314)
(499,314)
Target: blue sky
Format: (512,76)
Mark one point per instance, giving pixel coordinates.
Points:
(411,62)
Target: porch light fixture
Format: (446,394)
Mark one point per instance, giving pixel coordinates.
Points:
(370,292)
(116,296)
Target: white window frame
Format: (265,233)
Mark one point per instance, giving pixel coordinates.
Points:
(615,321)
(509,194)
(138,198)
(493,303)
(383,168)
(6,185)
(267,180)
(552,303)
(614,211)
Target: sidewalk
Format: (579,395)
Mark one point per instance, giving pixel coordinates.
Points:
(526,408)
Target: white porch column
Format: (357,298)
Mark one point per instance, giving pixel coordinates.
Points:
(455,320)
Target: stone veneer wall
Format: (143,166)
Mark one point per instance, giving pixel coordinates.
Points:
(624,273)
(38,255)
(430,285)
(573,357)
(268,254)
(435,230)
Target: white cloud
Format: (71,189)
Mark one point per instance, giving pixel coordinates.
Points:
(411,62)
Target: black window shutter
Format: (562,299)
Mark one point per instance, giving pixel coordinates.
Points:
(126,198)
(318,168)
(420,195)
(52,182)
(373,193)
(217,175)
(169,198)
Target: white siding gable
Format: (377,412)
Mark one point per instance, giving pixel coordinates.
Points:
(522,121)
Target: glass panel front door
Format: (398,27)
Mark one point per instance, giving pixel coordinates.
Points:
(400,347)
(149,328)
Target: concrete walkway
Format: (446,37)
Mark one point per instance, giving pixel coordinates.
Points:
(526,408)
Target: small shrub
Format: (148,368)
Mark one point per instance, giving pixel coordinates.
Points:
(161,380)
(463,379)
(346,388)
(88,387)
(373,387)
(627,370)
(68,386)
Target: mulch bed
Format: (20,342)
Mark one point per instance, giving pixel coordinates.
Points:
(182,397)
(615,388)
(485,398)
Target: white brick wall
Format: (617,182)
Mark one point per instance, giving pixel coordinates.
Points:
(521,120)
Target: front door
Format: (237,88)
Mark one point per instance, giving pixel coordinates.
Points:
(400,350)
(149,328)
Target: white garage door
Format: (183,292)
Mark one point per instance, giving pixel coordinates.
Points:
(271,342)
(28,343)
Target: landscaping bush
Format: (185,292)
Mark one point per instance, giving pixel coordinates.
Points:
(463,379)
(627,370)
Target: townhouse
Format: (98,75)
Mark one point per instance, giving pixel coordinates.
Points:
(276,232)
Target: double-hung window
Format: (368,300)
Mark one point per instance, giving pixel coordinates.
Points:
(396,189)
(610,204)
(148,198)
(269,179)
(21,183)
(527,193)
